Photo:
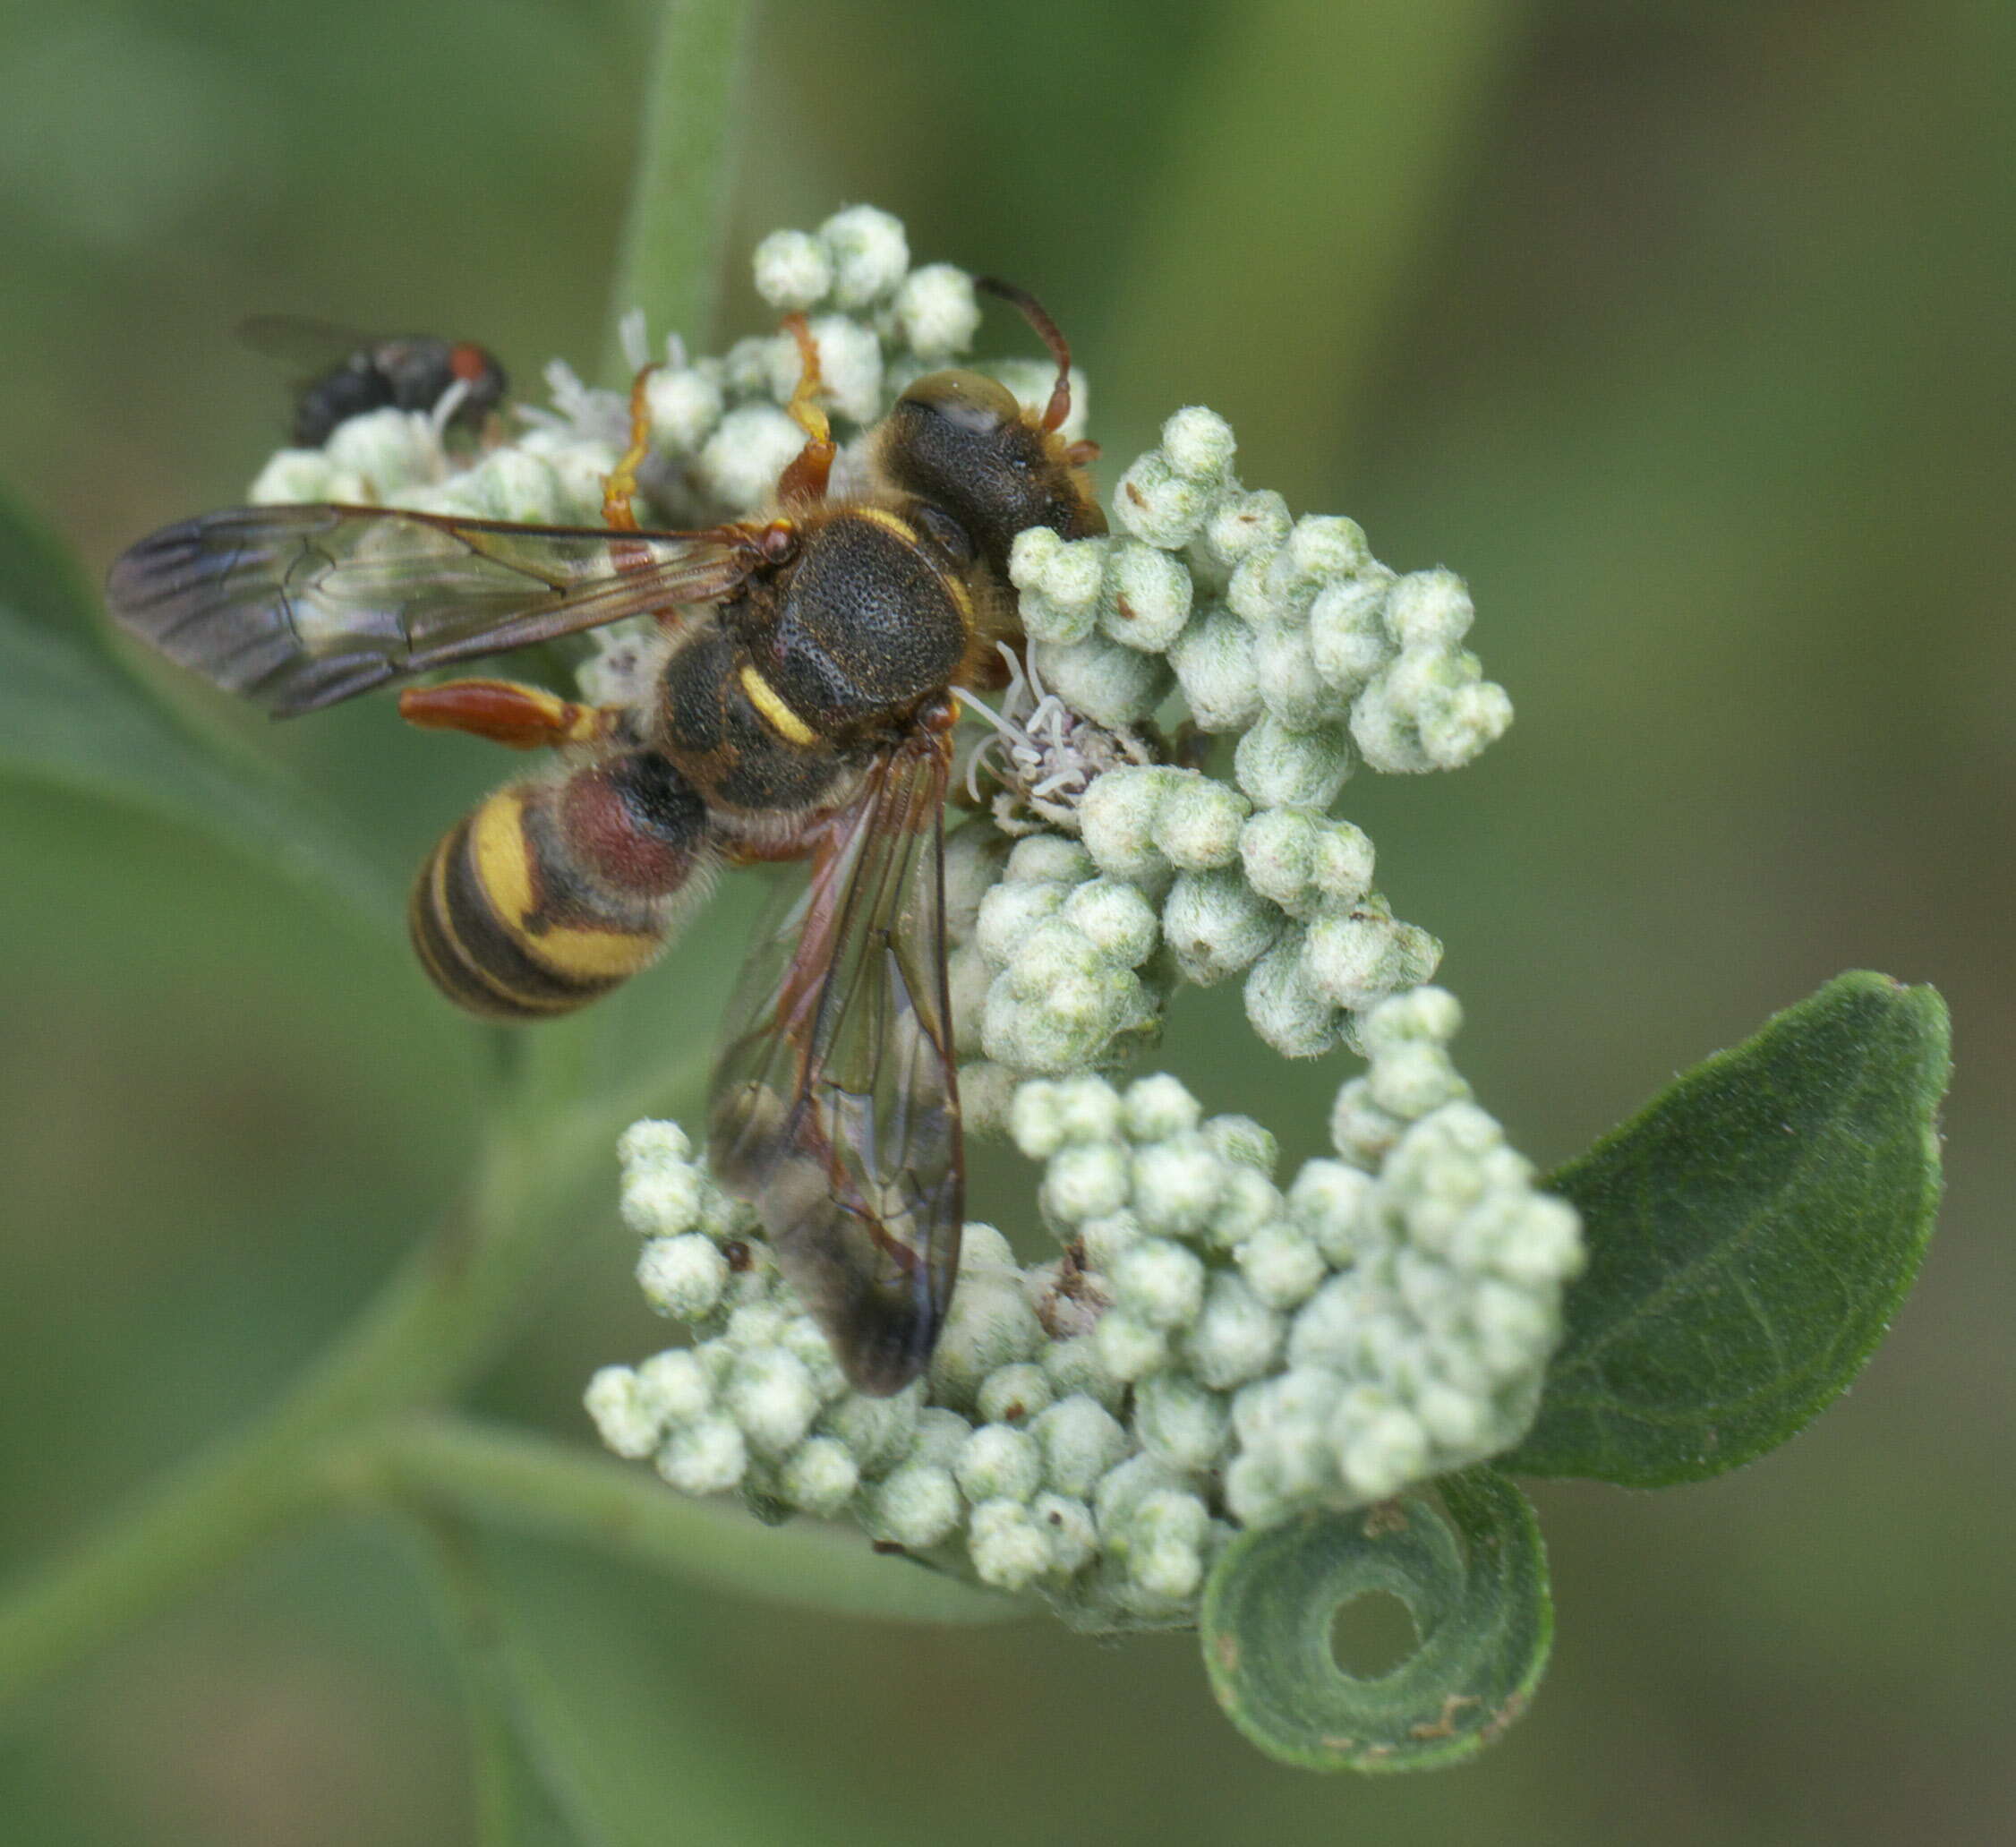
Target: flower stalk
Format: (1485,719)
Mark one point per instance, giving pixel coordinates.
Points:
(670,255)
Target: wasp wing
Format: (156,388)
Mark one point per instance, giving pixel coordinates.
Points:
(300,606)
(835,1103)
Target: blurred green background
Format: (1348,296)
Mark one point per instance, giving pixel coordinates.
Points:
(1683,331)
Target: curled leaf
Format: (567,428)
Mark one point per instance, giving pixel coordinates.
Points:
(1472,1574)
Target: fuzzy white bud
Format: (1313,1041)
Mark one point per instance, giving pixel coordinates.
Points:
(1216,665)
(1111,685)
(917,1506)
(1009,1549)
(740,462)
(1197,824)
(794,271)
(869,253)
(1279,767)
(682,1277)
(1235,1337)
(1116,821)
(772,1398)
(624,1417)
(1285,1007)
(1015,1394)
(1161,506)
(1176,1186)
(708,1456)
(1080,1440)
(819,1477)
(1217,925)
(1158,1281)
(1182,1423)
(1145,596)
(1282,1265)
(937,311)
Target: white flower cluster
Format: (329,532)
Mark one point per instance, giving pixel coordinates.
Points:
(1210,1352)
(1286,631)
(1385,1319)
(720,436)
(1008,1462)
(1291,634)
(1214,1349)
(1050,974)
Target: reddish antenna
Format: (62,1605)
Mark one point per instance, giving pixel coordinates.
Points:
(1059,407)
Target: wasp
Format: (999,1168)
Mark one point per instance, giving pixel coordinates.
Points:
(799,707)
(357,372)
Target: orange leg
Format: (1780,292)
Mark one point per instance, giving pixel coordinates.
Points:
(806,478)
(523,717)
(620,484)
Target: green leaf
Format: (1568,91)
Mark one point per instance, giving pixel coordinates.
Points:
(1750,1235)
(1474,1581)
(74,715)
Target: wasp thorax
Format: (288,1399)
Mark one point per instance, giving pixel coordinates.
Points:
(959,441)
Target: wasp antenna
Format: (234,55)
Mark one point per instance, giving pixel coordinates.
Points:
(1032,310)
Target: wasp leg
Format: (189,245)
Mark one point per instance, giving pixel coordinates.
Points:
(805,479)
(619,486)
(523,717)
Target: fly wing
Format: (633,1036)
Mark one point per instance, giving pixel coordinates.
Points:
(835,1104)
(301,339)
(300,606)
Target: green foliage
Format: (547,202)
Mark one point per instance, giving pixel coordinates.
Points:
(1472,1573)
(610,1721)
(1750,1233)
(73,713)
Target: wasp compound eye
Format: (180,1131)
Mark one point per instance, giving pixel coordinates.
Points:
(961,441)
(968,400)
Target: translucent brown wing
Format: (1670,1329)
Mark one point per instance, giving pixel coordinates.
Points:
(298,607)
(835,1102)
(302,340)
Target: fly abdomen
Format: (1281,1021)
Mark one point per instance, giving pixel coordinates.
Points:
(551,892)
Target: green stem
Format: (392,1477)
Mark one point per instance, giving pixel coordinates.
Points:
(536,1485)
(673,227)
(470,1615)
(433,1325)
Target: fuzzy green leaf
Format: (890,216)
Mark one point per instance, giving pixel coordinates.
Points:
(1750,1235)
(72,714)
(1473,1573)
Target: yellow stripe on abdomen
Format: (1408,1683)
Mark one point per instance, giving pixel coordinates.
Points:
(503,859)
(477,923)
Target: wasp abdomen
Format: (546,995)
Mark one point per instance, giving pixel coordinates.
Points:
(550,893)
